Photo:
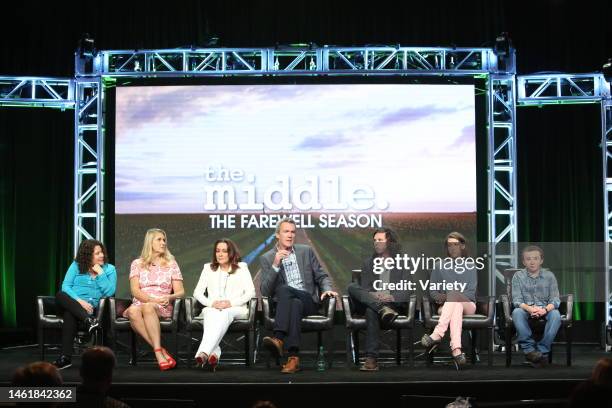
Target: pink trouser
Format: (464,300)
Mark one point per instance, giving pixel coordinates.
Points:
(452,313)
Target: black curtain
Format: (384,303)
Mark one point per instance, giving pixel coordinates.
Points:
(549,35)
(36,161)
(560,195)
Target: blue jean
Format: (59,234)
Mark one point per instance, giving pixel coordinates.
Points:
(525,339)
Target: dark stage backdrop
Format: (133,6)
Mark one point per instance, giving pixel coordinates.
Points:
(36,195)
(36,145)
(559,182)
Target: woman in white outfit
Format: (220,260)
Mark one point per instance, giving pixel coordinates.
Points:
(225,288)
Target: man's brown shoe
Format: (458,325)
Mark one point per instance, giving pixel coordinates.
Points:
(292,365)
(370,364)
(533,357)
(274,345)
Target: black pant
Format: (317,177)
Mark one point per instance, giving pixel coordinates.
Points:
(364,302)
(72,312)
(292,305)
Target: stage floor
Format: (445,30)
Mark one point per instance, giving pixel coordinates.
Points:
(146,372)
(480,381)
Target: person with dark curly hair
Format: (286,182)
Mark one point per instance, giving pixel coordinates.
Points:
(89,278)
(380,307)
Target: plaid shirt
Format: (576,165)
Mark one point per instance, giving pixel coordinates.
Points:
(292,271)
(539,290)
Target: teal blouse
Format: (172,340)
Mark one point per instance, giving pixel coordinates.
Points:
(84,286)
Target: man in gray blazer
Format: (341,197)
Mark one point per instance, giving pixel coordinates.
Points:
(292,275)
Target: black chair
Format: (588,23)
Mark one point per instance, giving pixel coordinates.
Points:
(193,310)
(537,325)
(483,320)
(119,324)
(313,323)
(356,323)
(48,319)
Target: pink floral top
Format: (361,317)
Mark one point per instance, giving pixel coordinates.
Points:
(155,281)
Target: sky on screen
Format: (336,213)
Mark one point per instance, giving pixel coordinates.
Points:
(413,145)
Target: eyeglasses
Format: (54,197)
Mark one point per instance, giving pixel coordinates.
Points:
(454,244)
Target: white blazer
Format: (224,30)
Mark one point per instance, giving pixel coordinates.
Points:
(239,289)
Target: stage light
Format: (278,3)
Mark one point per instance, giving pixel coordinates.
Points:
(504,52)
(211,42)
(607,70)
(86,46)
(503,43)
(84,55)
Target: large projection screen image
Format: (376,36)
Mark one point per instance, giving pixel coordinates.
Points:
(205,162)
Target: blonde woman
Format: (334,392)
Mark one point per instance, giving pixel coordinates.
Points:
(155,281)
(225,287)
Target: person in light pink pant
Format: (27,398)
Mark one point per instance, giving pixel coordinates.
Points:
(453,305)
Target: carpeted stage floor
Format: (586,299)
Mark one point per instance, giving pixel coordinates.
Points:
(240,386)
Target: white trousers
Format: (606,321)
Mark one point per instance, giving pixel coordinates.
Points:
(216,323)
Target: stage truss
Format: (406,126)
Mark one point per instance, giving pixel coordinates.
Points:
(505,91)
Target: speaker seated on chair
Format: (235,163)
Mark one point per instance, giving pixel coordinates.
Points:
(47,319)
(537,325)
(119,324)
(194,319)
(323,322)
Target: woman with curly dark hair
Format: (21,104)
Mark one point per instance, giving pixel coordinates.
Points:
(88,279)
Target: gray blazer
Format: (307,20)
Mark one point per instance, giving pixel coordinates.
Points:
(314,277)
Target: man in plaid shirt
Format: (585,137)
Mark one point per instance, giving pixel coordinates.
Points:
(292,275)
(535,295)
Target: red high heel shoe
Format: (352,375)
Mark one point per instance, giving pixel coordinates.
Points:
(213,360)
(169,357)
(201,360)
(163,365)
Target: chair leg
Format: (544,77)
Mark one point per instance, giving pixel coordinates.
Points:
(349,348)
(490,352)
(568,339)
(550,355)
(254,344)
(429,356)
(473,345)
(247,347)
(41,342)
(133,351)
(330,348)
(508,347)
(176,344)
(114,340)
(356,346)
(190,359)
(398,347)
(98,336)
(411,347)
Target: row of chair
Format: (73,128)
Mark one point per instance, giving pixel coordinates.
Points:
(483,320)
